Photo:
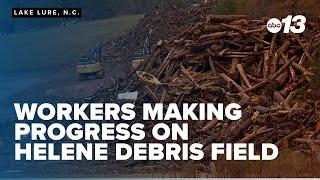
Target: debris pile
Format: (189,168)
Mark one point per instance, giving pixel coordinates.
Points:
(231,59)
(163,22)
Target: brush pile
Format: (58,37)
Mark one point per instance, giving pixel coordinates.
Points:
(163,22)
(234,59)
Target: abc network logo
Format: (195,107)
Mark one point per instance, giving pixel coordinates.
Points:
(294,24)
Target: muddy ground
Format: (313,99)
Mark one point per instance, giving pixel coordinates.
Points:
(53,86)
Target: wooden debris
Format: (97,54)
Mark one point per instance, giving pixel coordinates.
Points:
(234,59)
(243,75)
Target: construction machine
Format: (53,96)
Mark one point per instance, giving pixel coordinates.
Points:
(91,66)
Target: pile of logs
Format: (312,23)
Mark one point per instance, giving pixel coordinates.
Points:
(234,59)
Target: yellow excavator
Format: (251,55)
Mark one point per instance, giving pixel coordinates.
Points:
(91,66)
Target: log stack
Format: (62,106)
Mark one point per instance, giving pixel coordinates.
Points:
(234,59)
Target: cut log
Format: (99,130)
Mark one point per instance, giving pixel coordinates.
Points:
(229,80)
(224,18)
(243,75)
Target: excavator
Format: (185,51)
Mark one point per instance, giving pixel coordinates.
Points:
(91,66)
